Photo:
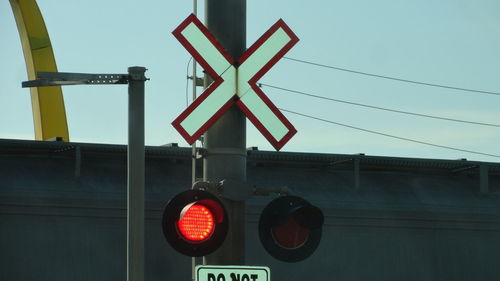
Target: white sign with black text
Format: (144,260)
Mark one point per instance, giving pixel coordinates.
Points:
(232,273)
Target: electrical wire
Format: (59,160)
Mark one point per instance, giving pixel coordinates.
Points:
(394,78)
(187,80)
(390,136)
(379,108)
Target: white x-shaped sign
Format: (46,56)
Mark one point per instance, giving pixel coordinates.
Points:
(234,82)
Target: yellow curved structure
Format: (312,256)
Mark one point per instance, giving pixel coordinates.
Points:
(49,115)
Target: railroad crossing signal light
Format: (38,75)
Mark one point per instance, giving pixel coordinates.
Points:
(195,223)
(290,228)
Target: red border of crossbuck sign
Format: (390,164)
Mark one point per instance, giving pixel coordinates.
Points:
(235,83)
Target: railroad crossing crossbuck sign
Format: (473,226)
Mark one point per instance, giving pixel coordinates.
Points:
(235,81)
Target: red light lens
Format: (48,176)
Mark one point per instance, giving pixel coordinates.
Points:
(290,234)
(197,223)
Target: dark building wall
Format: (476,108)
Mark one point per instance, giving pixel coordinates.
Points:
(63,214)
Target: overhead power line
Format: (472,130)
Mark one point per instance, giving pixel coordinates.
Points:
(390,136)
(379,108)
(394,78)
(187,80)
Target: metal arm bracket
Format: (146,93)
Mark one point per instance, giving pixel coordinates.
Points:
(46,79)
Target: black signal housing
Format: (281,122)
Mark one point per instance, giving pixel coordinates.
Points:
(290,228)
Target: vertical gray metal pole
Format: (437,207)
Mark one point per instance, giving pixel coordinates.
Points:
(483,179)
(225,141)
(135,171)
(193,147)
(194,260)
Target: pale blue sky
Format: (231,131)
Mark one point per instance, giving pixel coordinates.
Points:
(445,42)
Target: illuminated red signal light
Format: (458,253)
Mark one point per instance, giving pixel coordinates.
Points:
(196,223)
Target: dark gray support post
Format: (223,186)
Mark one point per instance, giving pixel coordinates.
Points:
(225,141)
(135,172)
(356,173)
(78,161)
(135,163)
(483,179)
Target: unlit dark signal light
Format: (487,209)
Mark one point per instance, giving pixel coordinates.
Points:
(290,228)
